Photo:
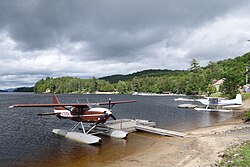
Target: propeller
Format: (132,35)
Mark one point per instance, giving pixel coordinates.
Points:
(109,107)
(108,112)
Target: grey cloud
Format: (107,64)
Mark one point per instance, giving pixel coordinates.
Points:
(142,34)
(36,25)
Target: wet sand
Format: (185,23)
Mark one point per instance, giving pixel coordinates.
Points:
(202,147)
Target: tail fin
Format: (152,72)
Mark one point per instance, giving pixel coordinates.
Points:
(56,101)
(238,99)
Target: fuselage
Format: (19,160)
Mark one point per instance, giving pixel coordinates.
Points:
(221,102)
(90,115)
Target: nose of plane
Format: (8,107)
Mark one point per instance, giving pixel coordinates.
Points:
(109,112)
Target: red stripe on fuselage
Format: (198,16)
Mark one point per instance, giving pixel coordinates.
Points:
(88,117)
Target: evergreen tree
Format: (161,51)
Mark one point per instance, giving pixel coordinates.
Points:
(194,67)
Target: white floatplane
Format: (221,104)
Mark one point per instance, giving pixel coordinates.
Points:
(220,105)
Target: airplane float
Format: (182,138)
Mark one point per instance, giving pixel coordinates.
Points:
(216,102)
(83,113)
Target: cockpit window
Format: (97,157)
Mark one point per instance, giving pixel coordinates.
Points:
(214,100)
(79,110)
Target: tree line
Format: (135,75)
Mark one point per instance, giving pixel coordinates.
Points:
(195,80)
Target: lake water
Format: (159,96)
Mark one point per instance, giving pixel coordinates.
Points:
(26,139)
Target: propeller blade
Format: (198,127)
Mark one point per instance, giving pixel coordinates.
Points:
(112,116)
(109,104)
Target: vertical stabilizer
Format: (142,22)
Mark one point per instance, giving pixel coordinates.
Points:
(56,101)
(238,99)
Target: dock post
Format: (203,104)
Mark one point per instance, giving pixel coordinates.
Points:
(121,124)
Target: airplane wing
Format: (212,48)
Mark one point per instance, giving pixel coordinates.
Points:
(113,103)
(71,104)
(50,105)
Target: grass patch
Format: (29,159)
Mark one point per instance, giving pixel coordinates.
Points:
(247,116)
(237,155)
(221,95)
(245,96)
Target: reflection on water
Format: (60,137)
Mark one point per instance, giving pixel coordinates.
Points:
(27,140)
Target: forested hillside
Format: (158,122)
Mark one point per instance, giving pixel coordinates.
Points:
(24,89)
(145,73)
(195,80)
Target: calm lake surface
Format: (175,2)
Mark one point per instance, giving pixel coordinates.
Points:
(27,140)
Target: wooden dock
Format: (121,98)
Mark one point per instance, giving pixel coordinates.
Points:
(187,106)
(159,131)
(130,125)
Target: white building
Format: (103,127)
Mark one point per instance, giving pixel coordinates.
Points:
(217,84)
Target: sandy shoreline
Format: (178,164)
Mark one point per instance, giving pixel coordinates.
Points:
(201,147)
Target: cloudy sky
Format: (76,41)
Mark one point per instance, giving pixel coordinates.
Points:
(83,38)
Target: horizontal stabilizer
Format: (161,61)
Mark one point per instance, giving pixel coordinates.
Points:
(11,106)
(48,113)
